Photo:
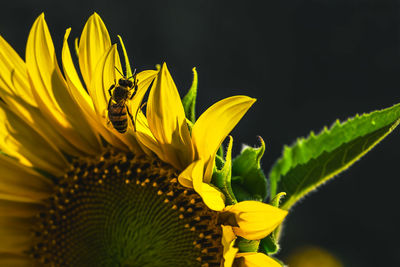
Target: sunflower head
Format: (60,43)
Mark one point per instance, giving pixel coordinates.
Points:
(96,174)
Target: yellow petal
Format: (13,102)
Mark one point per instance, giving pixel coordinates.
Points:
(185,178)
(214,125)
(19,209)
(15,260)
(75,85)
(15,90)
(82,98)
(51,94)
(106,75)
(167,120)
(13,197)
(145,137)
(228,241)
(193,176)
(19,180)
(13,73)
(40,60)
(93,44)
(256,220)
(144,78)
(19,140)
(252,259)
(103,78)
(16,235)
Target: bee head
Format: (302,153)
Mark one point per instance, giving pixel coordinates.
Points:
(125,82)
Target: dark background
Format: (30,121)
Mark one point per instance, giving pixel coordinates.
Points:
(307,62)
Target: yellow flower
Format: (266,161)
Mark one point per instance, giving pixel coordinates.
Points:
(167,134)
(75,192)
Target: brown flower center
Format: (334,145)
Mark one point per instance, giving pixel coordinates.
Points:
(125,210)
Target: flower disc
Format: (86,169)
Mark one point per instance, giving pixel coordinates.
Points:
(125,210)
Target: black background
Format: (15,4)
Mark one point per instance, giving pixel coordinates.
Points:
(307,62)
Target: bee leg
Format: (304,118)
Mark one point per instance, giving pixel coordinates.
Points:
(109,104)
(109,90)
(130,115)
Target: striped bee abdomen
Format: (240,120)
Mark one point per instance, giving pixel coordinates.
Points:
(118,117)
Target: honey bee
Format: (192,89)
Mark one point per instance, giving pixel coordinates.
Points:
(120,93)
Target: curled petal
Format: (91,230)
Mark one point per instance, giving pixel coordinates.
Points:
(193,176)
(228,241)
(255,220)
(167,120)
(214,125)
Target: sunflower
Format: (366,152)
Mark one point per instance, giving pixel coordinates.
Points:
(76,192)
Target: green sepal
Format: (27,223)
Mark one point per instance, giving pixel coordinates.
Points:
(277,199)
(189,101)
(222,177)
(249,181)
(318,158)
(220,151)
(269,244)
(245,245)
(219,162)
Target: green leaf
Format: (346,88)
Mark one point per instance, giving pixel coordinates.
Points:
(189,101)
(222,177)
(248,179)
(316,159)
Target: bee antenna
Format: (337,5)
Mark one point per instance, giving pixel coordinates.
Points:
(133,75)
(119,71)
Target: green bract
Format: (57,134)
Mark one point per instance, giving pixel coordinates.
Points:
(189,101)
(248,179)
(222,177)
